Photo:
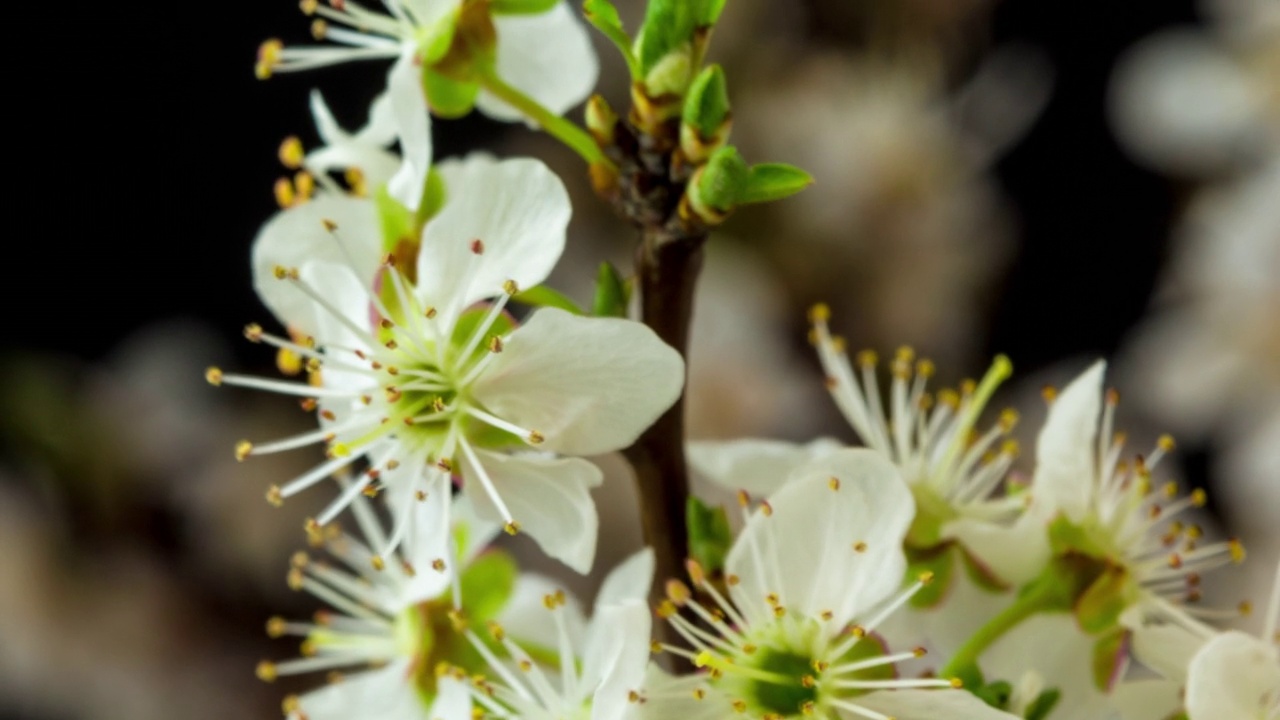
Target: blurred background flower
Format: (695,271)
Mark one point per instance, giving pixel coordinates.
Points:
(970,198)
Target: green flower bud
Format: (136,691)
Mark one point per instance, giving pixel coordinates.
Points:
(706,118)
(601,120)
(717,186)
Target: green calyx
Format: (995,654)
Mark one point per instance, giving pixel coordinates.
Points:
(713,193)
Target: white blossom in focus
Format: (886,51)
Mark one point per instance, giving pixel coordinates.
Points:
(413,374)
(811,579)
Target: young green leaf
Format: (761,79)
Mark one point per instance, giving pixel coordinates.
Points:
(604,16)
(774,181)
(717,186)
(521,7)
(543,296)
(706,106)
(612,293)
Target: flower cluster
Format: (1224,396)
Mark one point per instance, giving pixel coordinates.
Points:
(456,397)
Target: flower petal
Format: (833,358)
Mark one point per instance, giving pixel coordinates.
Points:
(1167,649)
(1067,668)
(758,466)
(824,549)
(380,130)
(548,497)
(518,210)
(617,654)
(452,702)
(427,537)
(1016,554)
(629,581)
(1231,677)
(413,126)
(588,385)
(1065,451)
(1145,700)
(547,56)
(298,235)
(931,705)
(525,616)
(372,695)
(343,293)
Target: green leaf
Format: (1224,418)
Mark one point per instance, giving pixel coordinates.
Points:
(487,585)
(1040,708)
(1099,607)
(718,185)
(604,16)
(706,106)
(449,98)
(521,7)
(433,196)
(774,181)
(709,534)
(708,11)
(939,560)
(543,296)
(612,293)
(1109,654)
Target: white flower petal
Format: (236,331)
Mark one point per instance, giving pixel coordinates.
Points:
(413,126)
(588,385)
(629,581)
(453,701)
(1065,464)
(526,620)
(547,56)
(548,497)
(331,133)
(427,537)
(1016,553)
(381,130)
(344,293)
(297,235)
(1231,676)
(931,705)
(804,552)
(758,466)
(616,658)
(1144,700)
(1167,649)
(517,208)
(478,533)
(427,13)
(1067,667)
(386,693)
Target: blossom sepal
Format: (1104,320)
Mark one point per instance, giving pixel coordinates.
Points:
(613,293)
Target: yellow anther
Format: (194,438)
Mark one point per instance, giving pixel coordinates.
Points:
(833,483)
(838,344)
(743,498)
(340,449)
(666,609)
(867,358)
(253,332)
(655,647)
(1049,393)
(356,182)
(949,397)
(1170,490)
(510,287)
(446,464)
(819,313)
(309,7)
(1166,443)
(678,592)
(438,404)
(634,697)
(438,565)
(408,568)
(957,683)
(378,563)
(477,246)
(294,579)
(696,574)
(430,313)
(286,196)
(925,368)
(496,631)
(766,508)
(1008,419)
(512,528)
(857,631)
(1236,548)
(266,671)
(299,559)
(213,376)
(826,615)
(268,58)
(772,599)
(1113,397)
(274,496)
(699,693)
(243,449)
(290,705)
(926,577)
(495,344)
(1010,448)
(458,619)
(1245,608)
(919,652)
(860,547)
(732,580)
(319,29)
(291,153)
(307,648)
(739,706)
(1199,498)
(276,627)
(808,706)
(779,612)
(305,185)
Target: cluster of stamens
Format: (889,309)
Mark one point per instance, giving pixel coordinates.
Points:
(932,437)
(366,35)
(403,405)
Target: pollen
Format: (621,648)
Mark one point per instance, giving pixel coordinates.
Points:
(1236,548)
(1166,443)
(510,287)
(274,497)
(266,671)
(957,683)
(678,592)
(1198,498)
(319,29)
(243,449)
(1049,393)
(833,483)
(213,376)
(276,627)
(378,563)
(696,574)
(819,312)
(495,344)
(860,547)
(268,58)
(512,528)
(286,196)
(438,565)
(926,577)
